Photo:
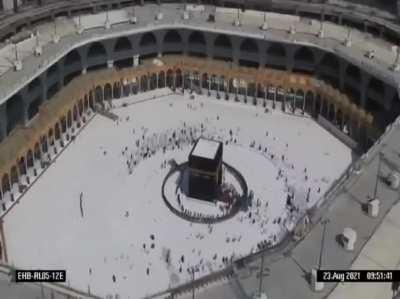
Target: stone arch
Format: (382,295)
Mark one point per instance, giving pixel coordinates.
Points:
(22,166)
(394,110)
(197,44)
(276,50)
(63,122)
(69,119)
(33,107)
(117,90)
(172,37)
(353,93)
(29,158)
(309,102)
(96,49)
(197,38)
(5,183)
(15,112)
(330,62)
(52,70)
(43,143)
(143,83)
(34,84)
(91,99)
(376,86)
(339,119)
(153,81)
(205,80)
(305,55)
(74,113)
(331,112)
(276,56)
(318,105)
(57,131)
(80,107)
(299,98)
(107,92)
(122,44)
(161,79)
(99,94)
(223,41)
(354,73)
(223,48)
(85,103)
(148,39)
(122,48)
(14,175)
(249,53)
(50,136)
(72,57)
(170,78)
(249,45)
(36,151)
(325,106)
(179,78)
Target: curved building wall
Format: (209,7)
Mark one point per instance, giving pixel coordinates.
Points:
(365,90)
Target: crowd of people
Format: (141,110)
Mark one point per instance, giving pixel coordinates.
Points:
(145,144)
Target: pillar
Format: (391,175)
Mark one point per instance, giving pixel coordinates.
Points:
(3,121)
(294,102)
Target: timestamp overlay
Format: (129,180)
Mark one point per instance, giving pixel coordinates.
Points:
(358,275)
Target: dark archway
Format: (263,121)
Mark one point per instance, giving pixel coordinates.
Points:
(73,57)
(330,63)
(161,80)
(122,49)
(99,94)
(249,45)
(143,83)
(15,112)
(170,78)
(5,183)
(249,53)
(122,44)
(223,48)
(304,54)
(197,44)
(276,56)
(34,84)
(353,73)
(107,92)
(304,60)
(96,50)
(29,158)
(33,107)
(148,40)
(172,37)
(376,86)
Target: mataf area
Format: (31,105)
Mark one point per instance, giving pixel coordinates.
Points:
(97,211)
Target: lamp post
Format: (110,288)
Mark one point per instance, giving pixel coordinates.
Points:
(377,175)
(324,223)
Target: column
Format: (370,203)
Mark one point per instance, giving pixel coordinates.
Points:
(3,121)
(294,95)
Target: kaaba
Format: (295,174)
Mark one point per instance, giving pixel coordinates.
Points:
(205,169)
